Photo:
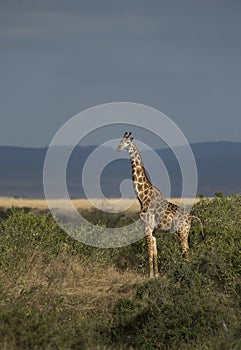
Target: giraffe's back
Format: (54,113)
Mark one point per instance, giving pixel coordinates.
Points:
(167,215)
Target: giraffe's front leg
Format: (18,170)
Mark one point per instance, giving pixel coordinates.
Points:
(150,247)
(155,257)
(148,222)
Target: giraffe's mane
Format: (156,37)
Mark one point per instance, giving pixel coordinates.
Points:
(142,163)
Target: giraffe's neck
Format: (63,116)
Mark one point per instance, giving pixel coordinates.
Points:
(142,184)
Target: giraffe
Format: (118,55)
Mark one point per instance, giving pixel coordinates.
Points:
(156,212)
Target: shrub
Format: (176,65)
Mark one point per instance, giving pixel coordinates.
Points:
(180,310)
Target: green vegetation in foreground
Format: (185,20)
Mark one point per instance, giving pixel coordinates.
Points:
(57,293)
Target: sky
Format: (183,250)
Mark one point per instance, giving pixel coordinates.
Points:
(58,58)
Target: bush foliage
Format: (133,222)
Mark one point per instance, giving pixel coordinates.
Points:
(47,300)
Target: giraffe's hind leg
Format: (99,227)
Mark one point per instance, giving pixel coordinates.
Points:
(182,236)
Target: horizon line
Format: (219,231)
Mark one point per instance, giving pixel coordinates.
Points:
(97,145)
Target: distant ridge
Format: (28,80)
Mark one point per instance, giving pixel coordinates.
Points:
(218,164)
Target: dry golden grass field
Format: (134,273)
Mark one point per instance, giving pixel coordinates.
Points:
(41,204)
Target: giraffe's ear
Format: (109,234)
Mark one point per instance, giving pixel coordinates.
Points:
(125,134)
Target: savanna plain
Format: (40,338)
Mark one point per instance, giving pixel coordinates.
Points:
(58,293)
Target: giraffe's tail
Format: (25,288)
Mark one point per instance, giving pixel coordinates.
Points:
(193,217)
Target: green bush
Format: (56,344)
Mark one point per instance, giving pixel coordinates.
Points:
(46,325)
(190,307)
(172,315)
(96,216)
(23,232)
(221,218)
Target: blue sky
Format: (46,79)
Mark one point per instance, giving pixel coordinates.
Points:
(61,57)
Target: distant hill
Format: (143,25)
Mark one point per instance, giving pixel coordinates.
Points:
(218,164)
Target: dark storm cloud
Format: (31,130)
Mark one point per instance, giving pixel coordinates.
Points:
(59,57)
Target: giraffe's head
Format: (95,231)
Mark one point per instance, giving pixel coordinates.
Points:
(126,142)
